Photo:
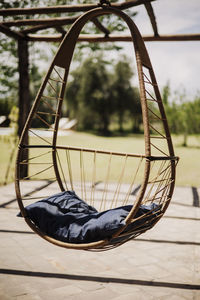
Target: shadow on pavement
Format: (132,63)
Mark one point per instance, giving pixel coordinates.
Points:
(101,279)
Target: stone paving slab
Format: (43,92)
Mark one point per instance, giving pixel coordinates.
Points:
(163,263)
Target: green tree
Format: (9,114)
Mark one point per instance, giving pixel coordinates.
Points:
(89,95)
(125,96)
(195,114)
(9,60)
(190,115)
(8,75)
(166,94)
(98,91)
(183,115)
(135,110)
(172,110)
(176,112)
(122,90)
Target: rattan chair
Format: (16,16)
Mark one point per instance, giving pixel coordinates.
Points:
(142,178)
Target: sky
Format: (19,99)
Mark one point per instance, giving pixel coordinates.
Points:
(175,62)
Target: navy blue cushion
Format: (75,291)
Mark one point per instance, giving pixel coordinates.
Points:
(65,217)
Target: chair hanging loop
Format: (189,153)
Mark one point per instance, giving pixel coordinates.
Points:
(104,3)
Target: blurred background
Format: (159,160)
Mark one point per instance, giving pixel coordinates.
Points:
(101,75)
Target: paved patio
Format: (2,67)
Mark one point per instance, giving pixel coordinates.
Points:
(163,263)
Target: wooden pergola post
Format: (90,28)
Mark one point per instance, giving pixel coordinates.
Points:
(24,94)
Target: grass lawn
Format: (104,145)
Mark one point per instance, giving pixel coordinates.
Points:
(188,170)
(7,159)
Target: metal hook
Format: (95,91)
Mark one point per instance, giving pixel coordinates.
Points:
(104,2)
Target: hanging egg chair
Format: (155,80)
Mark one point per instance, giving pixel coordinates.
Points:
(105,198)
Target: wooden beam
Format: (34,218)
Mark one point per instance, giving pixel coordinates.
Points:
(114,38)
(66,8)
(45,38)
(61,30)
(11,33)
(24,96)
(100,26)
(152,17)
(49,21)
(173,38)
(46,10)
(55,23)
(36,28)
(129,3)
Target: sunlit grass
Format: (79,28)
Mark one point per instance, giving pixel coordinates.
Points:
(7,159)
(188,170)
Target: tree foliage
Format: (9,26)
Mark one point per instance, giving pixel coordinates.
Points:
(126,97)
(99,92)
(8,47)
(183,115)
(9,61)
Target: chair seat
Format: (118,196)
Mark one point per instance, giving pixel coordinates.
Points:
(66,217)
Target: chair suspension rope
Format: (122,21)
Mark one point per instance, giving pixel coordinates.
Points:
(93,184)
(133,182)
(105,190)
(116,194)
(61,169)
(69,168)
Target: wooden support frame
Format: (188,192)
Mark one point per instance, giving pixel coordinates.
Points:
(114,38)
(67,8)
(35,22)
(100,26)
(24,95)
(58,22)
(11,33)
(152,17)
(70,20)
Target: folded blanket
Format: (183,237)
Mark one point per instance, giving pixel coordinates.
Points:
(66,217)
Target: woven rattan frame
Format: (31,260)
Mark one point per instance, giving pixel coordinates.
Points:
(167,172)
